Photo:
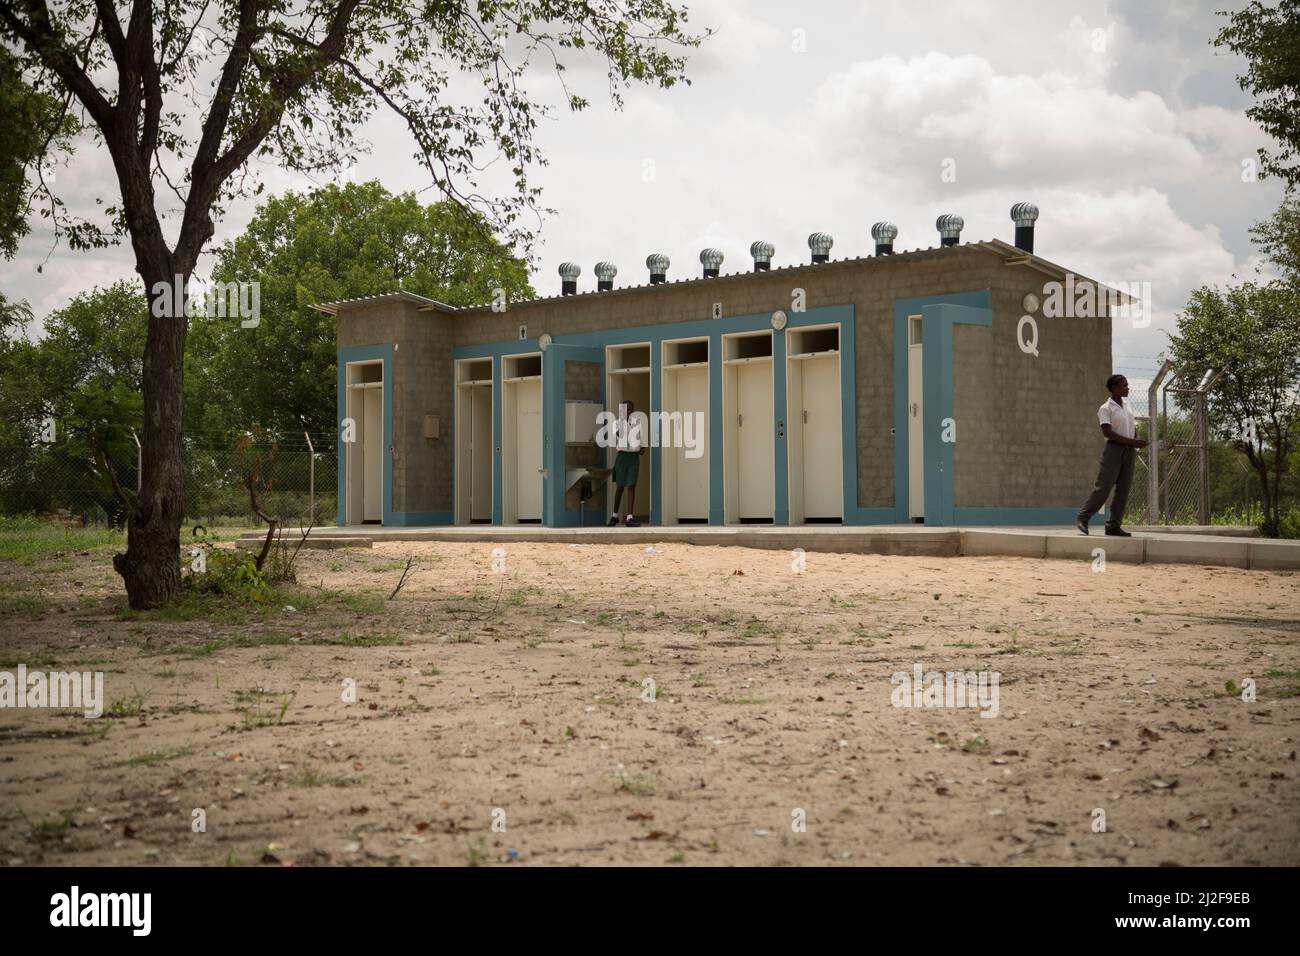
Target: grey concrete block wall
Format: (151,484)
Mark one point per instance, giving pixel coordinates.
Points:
(1027,433)
(423,384)
(1026,427)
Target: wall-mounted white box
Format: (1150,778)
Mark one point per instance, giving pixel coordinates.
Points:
(580,422)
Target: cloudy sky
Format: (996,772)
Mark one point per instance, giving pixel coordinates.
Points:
(1119,119)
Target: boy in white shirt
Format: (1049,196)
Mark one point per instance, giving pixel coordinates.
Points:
(1117,459)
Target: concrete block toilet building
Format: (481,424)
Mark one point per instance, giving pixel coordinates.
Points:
(892,388)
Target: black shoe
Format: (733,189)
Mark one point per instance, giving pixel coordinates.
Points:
(613,521)
(1117,533)
(1081,525)
(632,522)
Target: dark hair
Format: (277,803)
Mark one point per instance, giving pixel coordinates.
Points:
(1113,381)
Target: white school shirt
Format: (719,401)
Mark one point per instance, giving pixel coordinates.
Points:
(1118,417)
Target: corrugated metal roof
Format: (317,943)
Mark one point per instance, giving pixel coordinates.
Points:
(1011,255)
(424,301)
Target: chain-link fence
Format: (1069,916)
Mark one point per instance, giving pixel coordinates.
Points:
(1179,468)
(1183,468)
(295,477)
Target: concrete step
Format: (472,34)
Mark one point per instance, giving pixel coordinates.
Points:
(313,543)
(1214,550)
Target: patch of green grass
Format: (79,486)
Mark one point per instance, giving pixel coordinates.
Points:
(197,606)
(636,786)
(755,629)
(310,777)
(126,706)
(264,716)
(28,540)
(1013,644)
(33,662)
(23,605)
(252,695)
(359,640)
(50,829)
(475,853)
(204,649)
(366,602)
(151,758)
(976,745)
(740,700)
(98,731)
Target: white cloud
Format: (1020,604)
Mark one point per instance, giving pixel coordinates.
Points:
(1128,140)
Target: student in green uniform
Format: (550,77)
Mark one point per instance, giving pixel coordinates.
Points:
(627,466)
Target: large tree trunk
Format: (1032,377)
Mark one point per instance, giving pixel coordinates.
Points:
(151,567)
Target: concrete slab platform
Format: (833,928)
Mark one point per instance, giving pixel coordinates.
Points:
(1082,548)
(1266,555)
(1191,549)
(917,540)
(1000,542)
(1223,530)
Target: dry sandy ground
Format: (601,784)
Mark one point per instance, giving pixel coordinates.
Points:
(513,699)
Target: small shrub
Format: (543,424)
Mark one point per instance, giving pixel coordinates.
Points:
(230,573)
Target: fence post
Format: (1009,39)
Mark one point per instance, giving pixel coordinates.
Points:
(311,481)
(139,463)
(1203,436)
(1153,445)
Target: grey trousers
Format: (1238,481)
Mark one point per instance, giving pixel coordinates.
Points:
(1116,472)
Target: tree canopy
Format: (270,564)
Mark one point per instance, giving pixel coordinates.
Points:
(184,95)
(1251,334)
(1268,36)
(30,123)
(339,242)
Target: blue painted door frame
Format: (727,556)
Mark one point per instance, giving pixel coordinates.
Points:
(590,347)
(366,353)
(938,316)
(555,363)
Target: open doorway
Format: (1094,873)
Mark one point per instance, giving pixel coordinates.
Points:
(915,422)
(521,446)
(684,432)
(364,462)
(816,448)
(749,449)
(474,441)
(628,380)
